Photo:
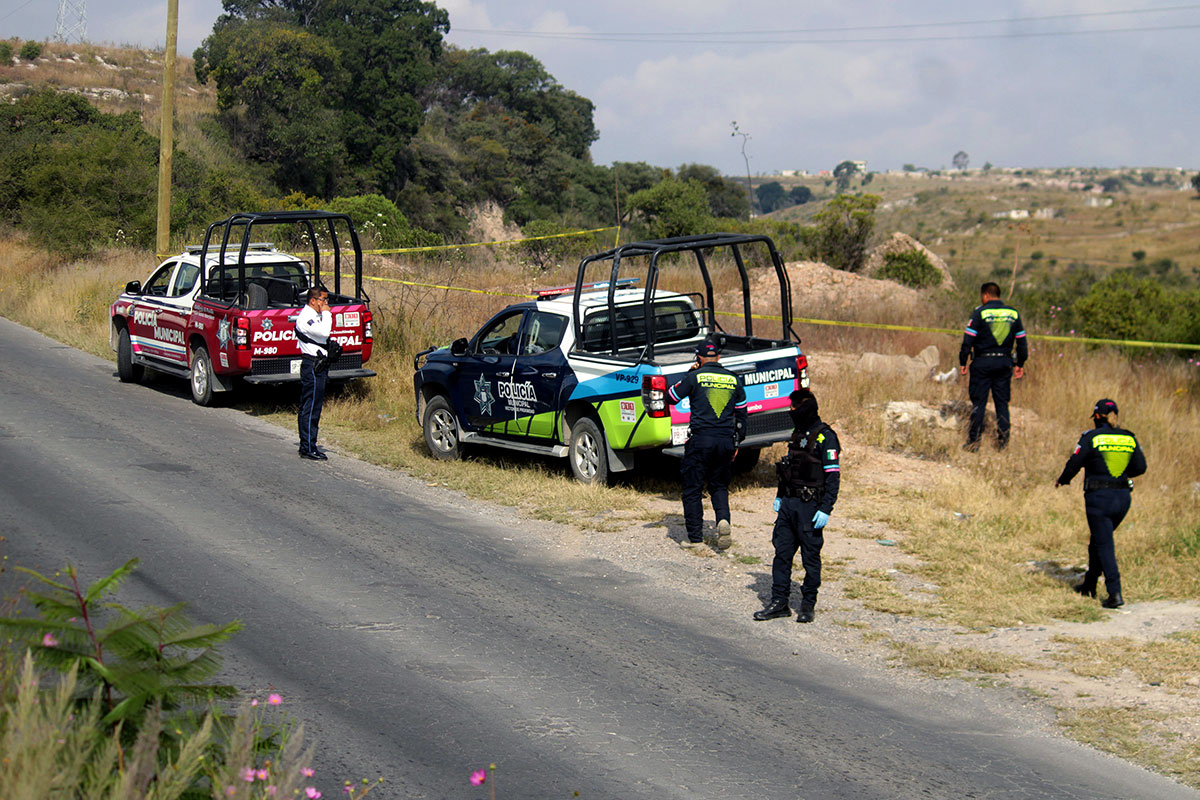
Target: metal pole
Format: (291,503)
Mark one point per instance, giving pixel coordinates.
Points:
(166,132)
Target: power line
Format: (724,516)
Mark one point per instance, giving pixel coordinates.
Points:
(871,40)
(18,8)
(667,37)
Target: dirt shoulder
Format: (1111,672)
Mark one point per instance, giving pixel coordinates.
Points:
(1122,683)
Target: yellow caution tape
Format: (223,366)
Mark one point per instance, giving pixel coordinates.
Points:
(956,332)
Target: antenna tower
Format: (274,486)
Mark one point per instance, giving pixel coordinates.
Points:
(72,21)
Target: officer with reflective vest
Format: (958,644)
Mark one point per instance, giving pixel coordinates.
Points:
(988,341)
(809,479)
(717,402)
(1109,457)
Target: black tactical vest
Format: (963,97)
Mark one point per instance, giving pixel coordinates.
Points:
(801,472)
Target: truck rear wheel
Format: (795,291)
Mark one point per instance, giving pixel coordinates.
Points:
(127,371)
(588,452)
(201,379)
(441,429)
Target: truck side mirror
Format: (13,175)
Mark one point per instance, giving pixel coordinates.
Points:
(133,287)
(458,347)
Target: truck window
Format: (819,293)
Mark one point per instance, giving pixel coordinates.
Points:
(159,281)
(543,333)
(674,321)
(185,280)
(500,337)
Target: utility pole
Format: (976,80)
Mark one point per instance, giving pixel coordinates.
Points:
(167,132)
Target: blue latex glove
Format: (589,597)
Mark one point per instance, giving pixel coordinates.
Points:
(819,519)
(775,505)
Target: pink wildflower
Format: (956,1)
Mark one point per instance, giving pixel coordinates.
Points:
(312,793)
(274,699)
(271,790)
(261,774)
(478,777)
(248,775)
(254,702)
(307,772)
(229,791)
(49,641)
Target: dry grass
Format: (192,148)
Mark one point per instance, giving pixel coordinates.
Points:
(954,661)
(1169,662)
(1142,736)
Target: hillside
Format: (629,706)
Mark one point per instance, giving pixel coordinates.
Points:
(1070,219)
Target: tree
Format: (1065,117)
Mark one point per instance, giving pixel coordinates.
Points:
(961,159)
(1111,184)
(387,48)
(725,196)
(771,196)
(909,167)
(673,208)
(1196,182)
(842,231)
(800,195)
(274,88)
(745,138)
(987,166)
(842,173)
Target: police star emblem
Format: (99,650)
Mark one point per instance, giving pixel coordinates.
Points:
(223,333)
(267,325)
(484,396)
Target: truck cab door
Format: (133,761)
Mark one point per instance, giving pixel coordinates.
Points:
(156,327)
(487,363)
(539,374)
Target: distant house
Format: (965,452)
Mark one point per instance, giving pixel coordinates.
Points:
(860,167)
(1014,213)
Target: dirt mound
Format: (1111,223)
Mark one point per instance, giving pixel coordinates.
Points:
(903,243)
(819,290)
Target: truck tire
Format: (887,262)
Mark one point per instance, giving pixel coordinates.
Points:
(441,429)
(127,371)
(746,459)
(588,452)
(201,378)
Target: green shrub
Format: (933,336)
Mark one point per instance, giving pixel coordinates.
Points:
(911,268)
(6,53)
(544,253)
(31,50)
(1123,306)
(381,224)
(842,230)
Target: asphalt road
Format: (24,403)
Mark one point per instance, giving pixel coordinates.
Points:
(420,638)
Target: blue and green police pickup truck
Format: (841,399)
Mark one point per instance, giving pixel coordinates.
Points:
(582,372)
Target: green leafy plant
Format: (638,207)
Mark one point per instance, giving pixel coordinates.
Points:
(131,659)
(30,51)
(6,53)
(843,230)
(911,268)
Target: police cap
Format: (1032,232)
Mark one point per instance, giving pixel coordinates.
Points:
(708,349)
(1105,407)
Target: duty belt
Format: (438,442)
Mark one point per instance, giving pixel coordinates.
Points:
(1091,484)
(994,354)
(808,494)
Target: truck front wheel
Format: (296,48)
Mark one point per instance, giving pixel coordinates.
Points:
(441,429)
(127,371)
(201,378)
(587,452)
(746,459)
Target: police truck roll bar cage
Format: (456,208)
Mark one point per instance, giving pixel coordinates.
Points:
(217,281)
(697,245)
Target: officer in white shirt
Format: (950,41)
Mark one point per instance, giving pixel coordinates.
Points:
(313,326)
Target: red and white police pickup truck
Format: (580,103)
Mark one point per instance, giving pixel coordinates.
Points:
(227,309)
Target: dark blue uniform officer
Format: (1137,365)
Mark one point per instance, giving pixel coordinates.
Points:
(988,340)
(1109,457)
(718,424)
(809,479)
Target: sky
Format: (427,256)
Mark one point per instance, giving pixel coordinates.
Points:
(1021,83)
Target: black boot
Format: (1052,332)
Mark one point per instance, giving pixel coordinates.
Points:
(805,614)
(1114,600)
(1085,590)
(776,608)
